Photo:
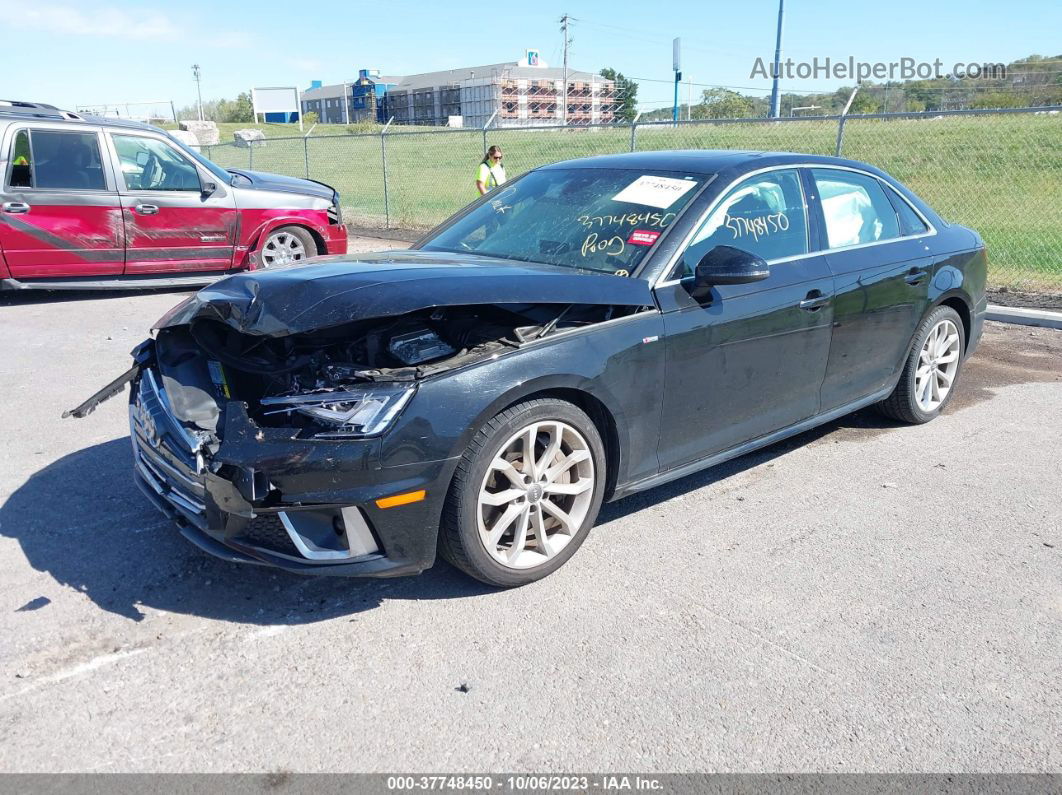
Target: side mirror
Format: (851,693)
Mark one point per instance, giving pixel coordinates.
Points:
(727,265)
(142,158)
(209,188)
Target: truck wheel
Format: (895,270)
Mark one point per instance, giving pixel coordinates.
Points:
(288,245)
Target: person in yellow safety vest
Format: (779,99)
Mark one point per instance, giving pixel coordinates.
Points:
(21,161)
(490,173)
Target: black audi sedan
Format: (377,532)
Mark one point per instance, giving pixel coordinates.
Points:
(591,329)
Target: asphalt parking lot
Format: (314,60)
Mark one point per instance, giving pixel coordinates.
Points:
(864,597)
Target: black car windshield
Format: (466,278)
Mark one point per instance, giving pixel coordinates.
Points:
(599,219)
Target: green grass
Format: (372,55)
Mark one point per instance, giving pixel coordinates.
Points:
(1000,175)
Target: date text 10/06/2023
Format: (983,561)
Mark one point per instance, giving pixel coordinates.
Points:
(524,783)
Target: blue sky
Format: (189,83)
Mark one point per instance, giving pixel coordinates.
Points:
(71,52)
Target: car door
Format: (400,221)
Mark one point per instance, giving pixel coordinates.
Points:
(176,217)
(750,359)
(60,214)
(882,271)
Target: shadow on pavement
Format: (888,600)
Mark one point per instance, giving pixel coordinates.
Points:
(83,521)
(861,425)
(18,297)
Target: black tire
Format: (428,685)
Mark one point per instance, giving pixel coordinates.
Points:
(902,404)
(459,540)
(302,234)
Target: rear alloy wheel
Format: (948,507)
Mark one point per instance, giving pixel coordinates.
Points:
(526,493)
(288,245)
(931,370)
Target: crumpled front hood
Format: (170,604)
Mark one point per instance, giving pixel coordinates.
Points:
(338,290)
(260,180)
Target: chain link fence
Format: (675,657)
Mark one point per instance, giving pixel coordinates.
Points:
(999,172)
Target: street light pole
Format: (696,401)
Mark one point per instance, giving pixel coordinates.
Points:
(775,98)
(198,89)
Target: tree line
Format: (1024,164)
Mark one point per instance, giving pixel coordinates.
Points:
(239,110)
(1030,82)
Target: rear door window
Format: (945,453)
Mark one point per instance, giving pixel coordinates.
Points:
(56,160)
(855,208)
(150,164)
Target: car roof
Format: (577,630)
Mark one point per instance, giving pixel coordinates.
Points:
(705,161)
(39,111)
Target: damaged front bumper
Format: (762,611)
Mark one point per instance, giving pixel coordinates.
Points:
(265,497)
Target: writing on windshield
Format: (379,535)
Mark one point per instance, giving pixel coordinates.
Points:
(598,219)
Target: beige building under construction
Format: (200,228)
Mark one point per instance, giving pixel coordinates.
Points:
(514,94)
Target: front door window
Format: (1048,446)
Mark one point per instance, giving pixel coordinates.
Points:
(150,164)
(764,215)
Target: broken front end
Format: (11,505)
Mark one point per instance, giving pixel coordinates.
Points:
(267,449)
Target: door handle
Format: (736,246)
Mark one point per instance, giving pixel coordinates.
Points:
(15,207)
(915,276)
(147,209)
(814,301)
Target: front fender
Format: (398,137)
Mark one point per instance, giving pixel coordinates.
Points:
(257,224)
(620,364)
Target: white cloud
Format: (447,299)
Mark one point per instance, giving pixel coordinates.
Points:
(305,64)
(105,21)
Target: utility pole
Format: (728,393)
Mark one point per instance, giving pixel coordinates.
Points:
(564,20)
(775,109)
(677,66)
(198,89)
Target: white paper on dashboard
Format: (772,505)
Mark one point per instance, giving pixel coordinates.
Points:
(659,192)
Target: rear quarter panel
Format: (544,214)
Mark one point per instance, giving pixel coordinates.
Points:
(961,270)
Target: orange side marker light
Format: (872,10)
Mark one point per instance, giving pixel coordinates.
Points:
(401,499)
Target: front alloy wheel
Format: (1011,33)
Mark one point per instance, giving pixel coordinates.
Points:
(525,494)
(536,494)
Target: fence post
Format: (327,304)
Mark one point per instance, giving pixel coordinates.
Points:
(844,113)
(634,131)
(383,161)
(250,155)
(485,126)
(840,136)
(306,155)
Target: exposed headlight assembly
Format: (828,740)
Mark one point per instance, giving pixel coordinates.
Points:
(346,414)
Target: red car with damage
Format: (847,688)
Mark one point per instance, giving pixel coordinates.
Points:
(88,202)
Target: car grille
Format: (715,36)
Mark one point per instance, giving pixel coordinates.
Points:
(266,531)
(164,452)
